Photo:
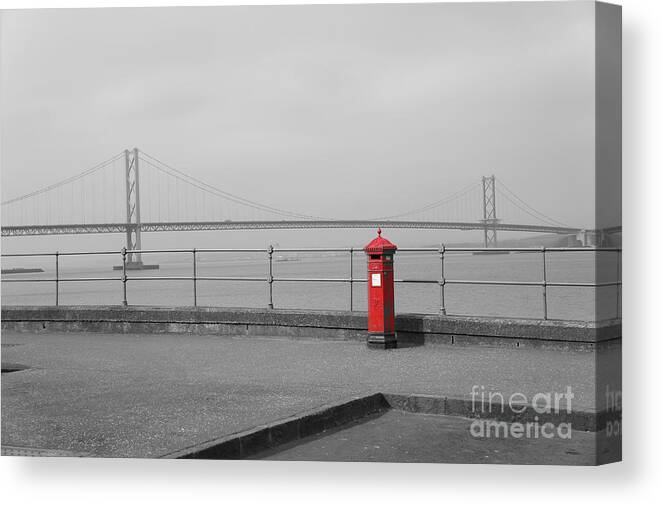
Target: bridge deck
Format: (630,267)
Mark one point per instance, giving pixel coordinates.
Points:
(74,229)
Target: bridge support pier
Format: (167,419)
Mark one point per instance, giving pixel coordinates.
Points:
(591,238)
(133,224)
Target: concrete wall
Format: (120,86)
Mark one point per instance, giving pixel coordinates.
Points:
(412,329)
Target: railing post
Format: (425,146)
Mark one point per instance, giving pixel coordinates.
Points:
(618,285)
(57,278)
(442,281)
(194,277)
(270,252)
(124,301)
(546,314)
(351,279)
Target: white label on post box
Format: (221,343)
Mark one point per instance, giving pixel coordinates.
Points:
(376,280)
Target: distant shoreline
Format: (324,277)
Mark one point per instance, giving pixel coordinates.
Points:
(21,270)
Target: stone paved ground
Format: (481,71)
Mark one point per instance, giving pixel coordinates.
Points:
(147,395)
(418,438)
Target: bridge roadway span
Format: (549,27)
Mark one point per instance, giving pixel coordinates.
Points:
(74,229)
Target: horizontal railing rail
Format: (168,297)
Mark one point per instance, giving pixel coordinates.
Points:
(270,279)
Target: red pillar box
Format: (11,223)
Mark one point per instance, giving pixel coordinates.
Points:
(380,293)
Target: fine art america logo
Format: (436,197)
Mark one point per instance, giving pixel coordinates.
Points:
(613,404)
(489,404)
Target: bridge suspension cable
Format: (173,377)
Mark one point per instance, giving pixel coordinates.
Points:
(68,180)
(213,190)
(515,200)
(439,203)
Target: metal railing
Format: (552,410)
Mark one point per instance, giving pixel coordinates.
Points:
(442,282)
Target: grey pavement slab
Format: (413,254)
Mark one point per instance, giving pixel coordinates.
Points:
(404,437)
(123,395)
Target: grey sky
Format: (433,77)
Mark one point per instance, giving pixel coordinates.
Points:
(341,111)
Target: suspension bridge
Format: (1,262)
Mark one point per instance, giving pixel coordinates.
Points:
(134,192)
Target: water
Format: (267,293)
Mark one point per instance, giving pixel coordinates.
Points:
(573,303)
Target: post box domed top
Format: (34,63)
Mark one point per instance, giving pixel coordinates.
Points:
(380,245)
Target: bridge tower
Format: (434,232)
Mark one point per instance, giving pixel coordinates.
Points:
(133,223)
(132,177)
(489,211)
